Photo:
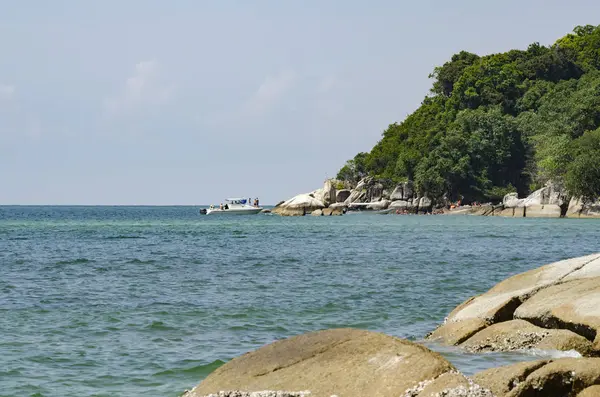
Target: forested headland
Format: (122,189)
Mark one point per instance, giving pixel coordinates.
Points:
(499,123)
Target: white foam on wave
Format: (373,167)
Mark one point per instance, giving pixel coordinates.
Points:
(551,353)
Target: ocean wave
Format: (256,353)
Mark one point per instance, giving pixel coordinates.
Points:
(551,353)
(124,237)
(141,262)
(159,326)
(74,261)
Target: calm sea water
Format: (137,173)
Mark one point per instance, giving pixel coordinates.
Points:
(123,301)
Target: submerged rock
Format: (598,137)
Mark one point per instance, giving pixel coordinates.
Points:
(343,362)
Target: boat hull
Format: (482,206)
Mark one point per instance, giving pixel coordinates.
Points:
(234,211)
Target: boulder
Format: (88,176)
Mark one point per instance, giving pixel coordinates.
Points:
(298,205)
(565,377)
(511,200)
(338,206)
(425,204)
(413,205)
(342,195)
(356,196)
(399,205)
(329,192)
(343,362)
(502,380)
(466,210)
(379,205)
(407,190)
(317,213)
(521,335)
(366,190)
(543,211)
(332,211)
(573,305)
(508,212)
(552,193)
(375,192)
(579,208)
(484,210)
(559,378)
(403,191)
(500,303)
(397,193)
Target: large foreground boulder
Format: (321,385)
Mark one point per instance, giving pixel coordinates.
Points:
(299,205)
(573,305)
(560,296)
(342,362)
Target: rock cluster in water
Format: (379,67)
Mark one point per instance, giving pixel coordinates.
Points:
(554,307)
(336,197)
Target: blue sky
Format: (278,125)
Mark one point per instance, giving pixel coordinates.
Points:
(189,102)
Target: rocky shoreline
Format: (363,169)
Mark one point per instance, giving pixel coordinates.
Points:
(554,307)
(338,197)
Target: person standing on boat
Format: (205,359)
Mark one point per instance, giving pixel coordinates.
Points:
(221,206)
(257,202)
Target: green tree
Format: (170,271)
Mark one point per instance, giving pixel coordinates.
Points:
(583,172)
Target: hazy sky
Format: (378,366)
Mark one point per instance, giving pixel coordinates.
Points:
(189,102)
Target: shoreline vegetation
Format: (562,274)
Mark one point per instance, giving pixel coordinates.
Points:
(552,308)
(524,123)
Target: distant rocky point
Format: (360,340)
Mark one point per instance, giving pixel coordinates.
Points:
(336,197)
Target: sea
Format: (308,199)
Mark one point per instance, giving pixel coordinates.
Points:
(128,301)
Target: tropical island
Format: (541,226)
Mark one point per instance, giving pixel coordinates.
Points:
(493,128)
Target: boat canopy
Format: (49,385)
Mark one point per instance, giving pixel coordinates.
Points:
(237,200)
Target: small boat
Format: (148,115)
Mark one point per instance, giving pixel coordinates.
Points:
(234,206)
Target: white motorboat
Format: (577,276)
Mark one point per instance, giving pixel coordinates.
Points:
(235,206)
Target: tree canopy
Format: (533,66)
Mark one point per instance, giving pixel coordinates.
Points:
(501,122)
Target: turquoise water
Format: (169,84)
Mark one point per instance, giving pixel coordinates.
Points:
(122,301)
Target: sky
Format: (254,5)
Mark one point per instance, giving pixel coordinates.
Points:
(146,102)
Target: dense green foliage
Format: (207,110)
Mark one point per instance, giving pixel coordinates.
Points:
(500,123)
